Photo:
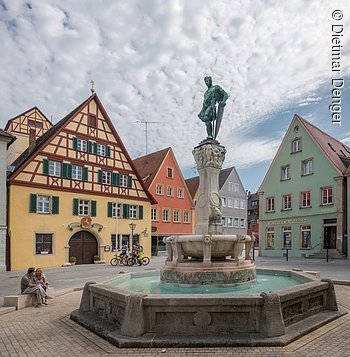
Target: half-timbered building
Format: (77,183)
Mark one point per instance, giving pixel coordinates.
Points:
(76,192)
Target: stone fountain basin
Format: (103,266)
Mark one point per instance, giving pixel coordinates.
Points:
(130,319)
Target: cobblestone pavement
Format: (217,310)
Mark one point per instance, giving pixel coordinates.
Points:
(48,331)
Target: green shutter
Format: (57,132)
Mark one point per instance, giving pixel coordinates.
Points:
(93,208)
(32,203)
(65,170)
(110,209)
(114,178)
(90,146)
(45,166)
(69,171)
(55,205)
(75,143)
(140,212)
(118,179)
(108,151)
(95,148)
(75,206)
(126,211)
(85,173)
(99,179)
(129,181)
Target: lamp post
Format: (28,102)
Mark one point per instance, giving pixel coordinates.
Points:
(132,227)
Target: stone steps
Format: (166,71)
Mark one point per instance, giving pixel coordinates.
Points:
(332,254)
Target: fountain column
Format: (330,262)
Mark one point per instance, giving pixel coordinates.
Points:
(209,156)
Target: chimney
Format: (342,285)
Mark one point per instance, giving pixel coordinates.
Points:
(32,140)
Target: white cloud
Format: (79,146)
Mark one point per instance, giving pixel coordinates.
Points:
(148,60)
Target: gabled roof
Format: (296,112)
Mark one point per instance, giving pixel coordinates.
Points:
(337,153)
(193,183)
(42,140)
(25,112)
(149,165)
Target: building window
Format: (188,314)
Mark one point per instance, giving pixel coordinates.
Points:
(123,180)
(224,221)
(296,145)
(170,191)
(242,222)
(101,150)
(286,202)
(92,121)
(327,196)
(133,212)
(84,207)
(230,202)
(242,204)
(154,214)
(305,199)
(270,238)
(236,203)
(229,222)
(186,216)
(307,167)
(236,187)
(254,203)
(176,214)
(54,168)
(106,177)
(287,237)
(235,222)
(43,243)
(118,211)
(159,189)
(77,172)
(170,172)
(224,201)
(285,172)
(114,242)
(305,237)
(81,145)
(43,204)
(230,186)
(270,204)
(180,193)
(166,214)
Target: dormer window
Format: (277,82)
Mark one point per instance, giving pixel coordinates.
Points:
(296,145)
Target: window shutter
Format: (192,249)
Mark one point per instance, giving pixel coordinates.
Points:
(129,181)
(75,143)
(32,203)
(95,148)
(55,205)
(90,146)
(69,166)
(126,211)
(110,209)
(85,173)
(108,151)
(45,166)
(114,178)
(118,179)
(93,208)
(75,206)
(65,170)
(99,176)
(140,212)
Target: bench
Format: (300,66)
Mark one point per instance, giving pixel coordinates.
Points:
(22,300)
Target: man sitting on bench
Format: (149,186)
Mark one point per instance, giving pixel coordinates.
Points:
(29,287)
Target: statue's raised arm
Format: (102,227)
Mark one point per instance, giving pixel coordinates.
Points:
(213,107)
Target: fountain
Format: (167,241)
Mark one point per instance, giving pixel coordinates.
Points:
(195,302)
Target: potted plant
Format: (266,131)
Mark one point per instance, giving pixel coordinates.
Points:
(72,260)
(96,259)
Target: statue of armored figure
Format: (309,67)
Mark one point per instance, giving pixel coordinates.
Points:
(213,108)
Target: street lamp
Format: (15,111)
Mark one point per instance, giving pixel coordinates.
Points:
(132,227)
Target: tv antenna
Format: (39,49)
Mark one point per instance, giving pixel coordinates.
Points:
(146,130)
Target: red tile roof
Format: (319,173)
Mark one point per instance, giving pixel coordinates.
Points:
(192,184)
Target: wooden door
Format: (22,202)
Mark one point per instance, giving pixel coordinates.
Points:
(83,246)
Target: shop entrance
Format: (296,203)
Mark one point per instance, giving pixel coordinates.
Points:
(330,237)
(83,246)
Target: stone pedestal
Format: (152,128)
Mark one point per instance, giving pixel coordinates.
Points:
(209,157)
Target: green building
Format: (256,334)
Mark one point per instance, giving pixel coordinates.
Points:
(302,199)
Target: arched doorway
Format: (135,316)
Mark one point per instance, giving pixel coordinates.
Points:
(83,246)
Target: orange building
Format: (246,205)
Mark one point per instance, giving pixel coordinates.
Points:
(174,212)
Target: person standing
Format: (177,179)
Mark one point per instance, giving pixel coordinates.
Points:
(29,287)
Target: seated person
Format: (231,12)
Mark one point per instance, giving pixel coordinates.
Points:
(29,287)
(40,278)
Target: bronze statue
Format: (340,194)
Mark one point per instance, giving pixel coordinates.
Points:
(213,108)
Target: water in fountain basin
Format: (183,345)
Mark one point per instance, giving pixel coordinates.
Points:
(150,283)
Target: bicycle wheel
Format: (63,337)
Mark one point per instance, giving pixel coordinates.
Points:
(131,261)
(123,260)
(114,261)
(145,261)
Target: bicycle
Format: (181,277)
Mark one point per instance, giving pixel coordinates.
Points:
(121,260)
(134,260)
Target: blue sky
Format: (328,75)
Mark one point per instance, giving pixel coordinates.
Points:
(148,59)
